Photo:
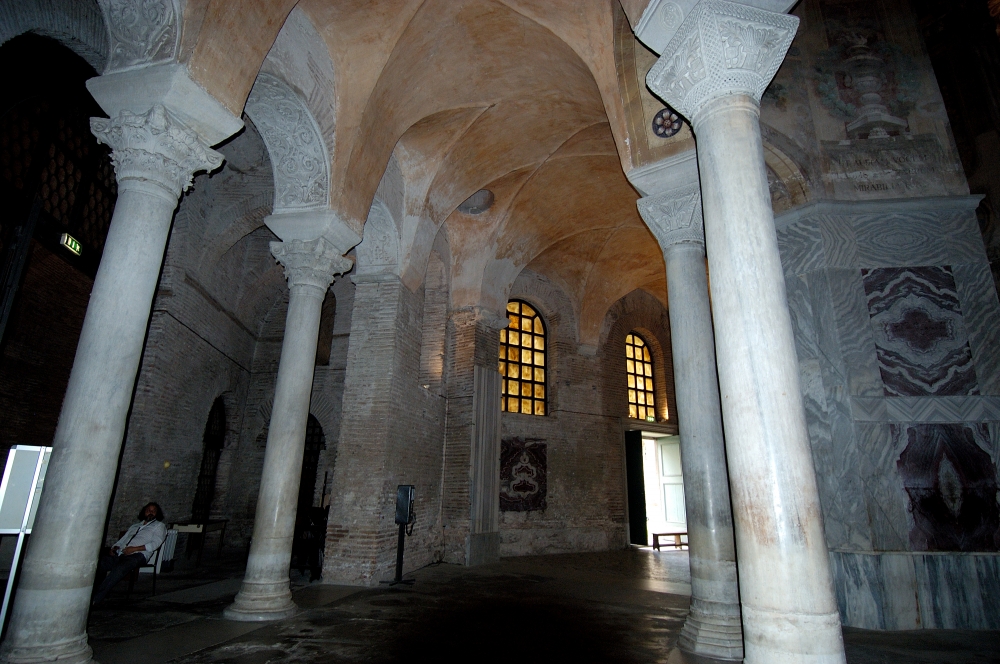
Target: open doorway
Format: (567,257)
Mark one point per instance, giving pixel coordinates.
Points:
(656,509)
(664,485)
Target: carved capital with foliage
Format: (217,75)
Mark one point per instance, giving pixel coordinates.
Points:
(721,49)
(156,148)
(674,217)
(312,263)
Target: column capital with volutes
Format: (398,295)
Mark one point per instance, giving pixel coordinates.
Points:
(154,147)
(311,264)
(721,49)
(674,216)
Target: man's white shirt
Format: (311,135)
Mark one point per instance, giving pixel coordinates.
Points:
(150,535)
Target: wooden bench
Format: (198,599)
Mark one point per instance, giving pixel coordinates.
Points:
(676,543)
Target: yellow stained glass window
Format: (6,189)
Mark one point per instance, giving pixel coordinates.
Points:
(639,371)
(526,393)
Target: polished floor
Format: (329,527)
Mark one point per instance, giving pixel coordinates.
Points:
(624,606)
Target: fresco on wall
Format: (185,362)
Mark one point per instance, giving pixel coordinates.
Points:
(881,94)
(951,483)
(523,474)
(920,337)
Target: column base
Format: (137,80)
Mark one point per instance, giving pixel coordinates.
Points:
(262,602)
(76,651)
(714,631)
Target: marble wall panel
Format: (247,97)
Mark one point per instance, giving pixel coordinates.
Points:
(858,587)
(948,592)
(926,409)
(978,297)
(905,591)
(952,486)
(916,238)
(844,507)
(920,337)
(885,498)
(840,244)
(801,248)
(854,331)
(800,309)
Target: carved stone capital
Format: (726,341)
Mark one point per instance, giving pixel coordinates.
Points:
(721,49)
(674,216)
(154,147)
(141,32)
(312,263)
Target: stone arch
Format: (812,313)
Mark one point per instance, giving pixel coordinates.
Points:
(638,311)
(378,252)
(299,158)
(77,24)
(788,175)
(141,32)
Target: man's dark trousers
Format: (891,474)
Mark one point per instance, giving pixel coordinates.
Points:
(116,568)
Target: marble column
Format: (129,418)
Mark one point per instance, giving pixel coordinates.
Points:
(155,157)
(712,628)
(265,594)
(714,71)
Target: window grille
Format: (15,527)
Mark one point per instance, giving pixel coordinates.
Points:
(522,361)
(639,367)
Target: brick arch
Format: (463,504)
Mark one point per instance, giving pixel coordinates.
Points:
(76,24)
(641,312)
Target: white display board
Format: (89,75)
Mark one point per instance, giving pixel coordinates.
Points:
(20,490)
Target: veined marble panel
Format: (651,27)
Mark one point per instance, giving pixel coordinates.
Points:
(921,341)
(840,244)
(928,238)
(800,309)
(801,248)
(905,591)
(978,297)
(926,409)
(855,336)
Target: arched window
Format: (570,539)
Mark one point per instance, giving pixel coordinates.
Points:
(522,360)
(639,367)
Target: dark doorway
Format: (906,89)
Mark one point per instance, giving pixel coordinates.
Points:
(636,489)
(213,441)
(310,522)
(55,180)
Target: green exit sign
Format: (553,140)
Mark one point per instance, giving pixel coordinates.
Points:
(71,243)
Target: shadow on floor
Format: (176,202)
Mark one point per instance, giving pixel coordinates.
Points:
(625,606)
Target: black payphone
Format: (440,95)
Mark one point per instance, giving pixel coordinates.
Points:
(405,497)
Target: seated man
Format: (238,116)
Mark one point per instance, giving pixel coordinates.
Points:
(138,545)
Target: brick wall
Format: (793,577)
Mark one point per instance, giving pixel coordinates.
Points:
(583,431)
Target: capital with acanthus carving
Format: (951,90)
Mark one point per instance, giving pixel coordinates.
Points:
(155,147)
(311,263)
(721,49)
(674,217)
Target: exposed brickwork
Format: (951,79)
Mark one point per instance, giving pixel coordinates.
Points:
(587,401)
(390,434)
(39,347)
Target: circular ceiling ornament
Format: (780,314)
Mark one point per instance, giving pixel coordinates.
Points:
(479,202)
(666,123)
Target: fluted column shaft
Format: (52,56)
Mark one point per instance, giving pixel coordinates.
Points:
(154,158)
(265,593)
(712,628)
(714,72)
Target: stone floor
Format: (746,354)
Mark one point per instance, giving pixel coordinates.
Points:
(623,606)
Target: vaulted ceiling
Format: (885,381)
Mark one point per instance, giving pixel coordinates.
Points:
(517,96)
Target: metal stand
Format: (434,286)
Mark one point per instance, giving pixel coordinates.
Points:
(399,560)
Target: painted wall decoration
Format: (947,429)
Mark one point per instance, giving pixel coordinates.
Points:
(920,337)
(952,486)
(523,474)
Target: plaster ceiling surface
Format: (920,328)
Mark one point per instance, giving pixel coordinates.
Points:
(517,96)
